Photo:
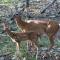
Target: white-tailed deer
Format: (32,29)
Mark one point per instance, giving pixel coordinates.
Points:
(17,37)
(48,27)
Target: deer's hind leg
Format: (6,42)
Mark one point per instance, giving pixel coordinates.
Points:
(35,44)
(51,42)
(51,38)
(34,38)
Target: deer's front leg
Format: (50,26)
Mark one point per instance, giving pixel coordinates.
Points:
(18,53)
(17,47)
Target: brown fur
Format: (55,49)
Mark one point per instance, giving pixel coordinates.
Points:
(17,37)
(39,26)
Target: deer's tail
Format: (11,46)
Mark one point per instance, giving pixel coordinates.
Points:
(59,24)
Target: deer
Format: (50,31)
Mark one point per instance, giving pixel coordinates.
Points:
(40,27)
(17,37)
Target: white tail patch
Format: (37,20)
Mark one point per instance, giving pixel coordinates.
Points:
(59,24)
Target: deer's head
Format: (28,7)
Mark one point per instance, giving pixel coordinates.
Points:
(16,16)
(5,26)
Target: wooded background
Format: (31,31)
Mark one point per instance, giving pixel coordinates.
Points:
(28,9)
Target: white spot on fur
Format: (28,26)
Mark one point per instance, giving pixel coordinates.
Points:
(49,26)
(28,21)
(23,30)
(36,21)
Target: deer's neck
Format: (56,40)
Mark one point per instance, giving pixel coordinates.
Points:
(9,33)
(21,24)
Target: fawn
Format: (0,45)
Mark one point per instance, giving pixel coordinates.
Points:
(17,37)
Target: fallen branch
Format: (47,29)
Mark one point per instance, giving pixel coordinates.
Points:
(48,6)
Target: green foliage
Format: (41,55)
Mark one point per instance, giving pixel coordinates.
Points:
(9,46)
(8,1)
